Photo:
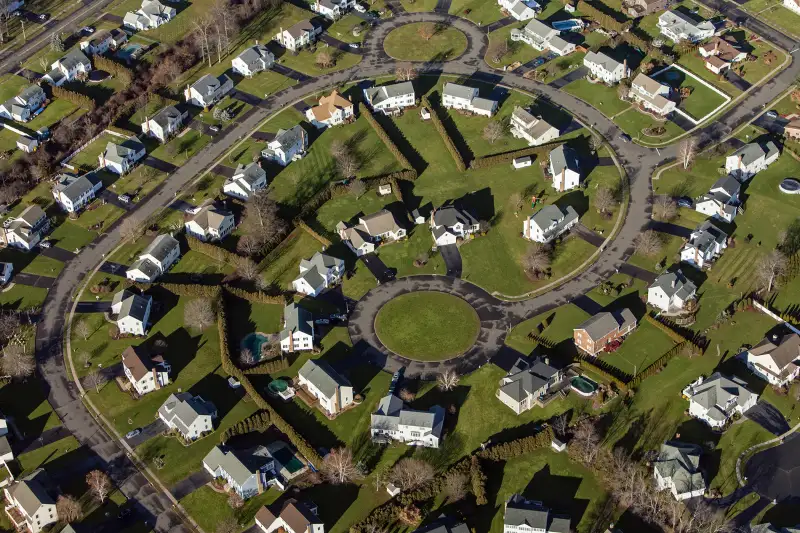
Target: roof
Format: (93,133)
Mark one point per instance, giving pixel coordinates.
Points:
(606,322)
(297,515)
(719,391)
(30,492)
(459,91)
(752,152)
(675,284)
(31,214)
(379,223)
(647,83)
(323,377)
(256,53)
(161,247)
(133,305)
(74,58)
(250,173)
(728,184)
(329,104)
(683,23)
(483,103)
(392,412)
(783,349)
(138,361)
(166,115)
(208,84)
(182,409)
(680,462)
(563,157)
(605,61)
(211,217)
(522,385)
(288,138)
(533,126)
(376,95)
(706,235)
(296,319)
(521,512)
(73,187)
(240,465)
(539,29)
(552,214)
(444,525)
(118,152)
(299,29)
(450,215)
(722,48)
(311,269)
(146,267)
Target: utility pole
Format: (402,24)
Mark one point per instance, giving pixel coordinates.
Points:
(22,22)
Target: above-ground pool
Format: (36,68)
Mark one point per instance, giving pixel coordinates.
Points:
(278,386)
(583,386)
(128,51)
(790,186)
(568,25)
(255,343)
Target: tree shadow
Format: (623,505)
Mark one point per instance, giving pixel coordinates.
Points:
(181,350)
(405,147)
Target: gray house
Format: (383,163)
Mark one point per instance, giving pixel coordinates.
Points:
(72,193)
(526,384)
(678,469)
(529,515)
(246,472)
(191,416)
(253,60)
(120,158)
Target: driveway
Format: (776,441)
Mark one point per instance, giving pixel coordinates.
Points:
(247,98)
(153,429)
(262,136)
(452,259)
(190,484)
(93,307)
(565,80)
(32,280)
(502,23)
(336,43)
(59,254)
(112,198)
(289,73)
(739,82)
(110,267)
(224,171)
(768,417)
(775,472)
(181,205)
(377,267)
(592,237)
(159,164)
(636,272)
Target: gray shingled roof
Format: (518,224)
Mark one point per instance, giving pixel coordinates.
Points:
(239,464)
(323,376)
(605,322)
(73,187)
(680,461)
(166,115)
(520,512)
(161,246)
(302,27)
(147,267)
(753,151)
(75,58)
(30,492)
(379,223)
(706,235)
(673,283)
(782,349)
(133,305)
(255,54)
(561,157)
(607,62)
(182,409)
(548,214)
(250,173)
(118,152)
(458,91)
(450,215)
(208,84)
(539,29)
(211,217)
(718,390)
(296,319)
(379,94)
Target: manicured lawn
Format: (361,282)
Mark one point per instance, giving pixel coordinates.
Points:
(427,326)
(87,159)
(103,214)
(32,416)
(702,100)
(480,12)
(44,266)
(284,267)
(518,51)
(598,95)
(196,263)
(70,236)
(49,453)
(564,320)
(305,61)
(22,297)
(641,348)
(635,123)
(342,29)
(401,255)
(415,6)
(179,149)
(265,84)
(210,508)
(774,12)
(346,207)
(359,283)
(405,43)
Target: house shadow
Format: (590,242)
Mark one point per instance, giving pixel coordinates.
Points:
(180,351)
(622,52)
(696,432)
(164,301)
(578,199)
(451,401)
(480,203)
(630,301)
(733,366)
(425,83)
(214,388)
(557,493)
(332,501)
(209,277)
(786,513)
(629,521)
(483,517)
(550,113)
(405,147)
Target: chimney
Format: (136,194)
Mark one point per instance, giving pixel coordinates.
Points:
(672,284)
(741,156)
(625,68)
(563,179)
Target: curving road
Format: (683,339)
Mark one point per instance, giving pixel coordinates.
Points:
(639,163)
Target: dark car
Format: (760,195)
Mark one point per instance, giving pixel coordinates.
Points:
(625,138)
(684,201)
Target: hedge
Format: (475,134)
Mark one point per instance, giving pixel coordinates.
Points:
(547,343)
(331,190)
(255,422)
(115,69)
(658,365)
(305,227)
(184,289)
(286,241)
(507,157)
(269,367)
(257,297)
(79,99)
(672,330)
(213,251)
(448,141)
(478,481)
(518,447)
(603,17)
(364,111)
(606,371)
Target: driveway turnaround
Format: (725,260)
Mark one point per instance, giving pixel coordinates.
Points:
(775,472)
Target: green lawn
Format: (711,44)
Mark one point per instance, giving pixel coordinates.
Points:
(598,95)
(22,297)
(265,84)
(359,283)
(59,452)
(427,326)
(406,44)
(343,28)
(284,267)
(346,207)
(70,236)
(774,12)
(480,12)
(635,123)
(702,100)
(305,61)
(87,159)
(32,416)
(181,148)
(518,51)
(209,508)
(564,320)
(641,348)
(415,6)
(401,255)
(196,263)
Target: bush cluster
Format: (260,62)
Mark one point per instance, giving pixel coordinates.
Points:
(218,253)
(255,422)
(260,297)
(478,481)
(185,289)
(518,447)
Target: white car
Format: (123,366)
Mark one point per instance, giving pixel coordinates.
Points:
(360,8)
(87,29)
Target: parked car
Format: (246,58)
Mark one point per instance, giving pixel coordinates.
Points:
(360,8)
(684,201)
(354,45)
(625,138)
(339,316)
(124,198)
(322,321)
(215,129)
(133,433)
(43,17)
(45,244)
(88,30)
(772,114)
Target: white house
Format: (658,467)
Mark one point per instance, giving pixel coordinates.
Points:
(526,384)
(705,244)
(776,359)
(99,43)
(677,469)
(318,273)
(246,180)
(606,68)
(121,158)
(164,124)
(287,146)
(716,399)
(253,60)
(208,90)
(246,472)
(533,129)
(331,111)
(565,168)
(679,26)
(298,329)
(394,421)
(333,392)
(26,230)
(652,95)
(299,36)
(792,5)
(210,224)
(333,9)
(145,373)
(72,66)
(73,193)
(370,231)
(29,504)
(530,516)
(6,452)
(520,9)
(450,223)
(27,104)
(722,200)
(132,311)
(670,292)
(294,517)
(151,15)
(6,271)
(191,416)
(155,260)
(548,223)
(456,96)
(751,159)
(542,37)
(391,98)
(27,144)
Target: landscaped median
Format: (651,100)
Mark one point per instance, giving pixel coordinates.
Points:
(425,41)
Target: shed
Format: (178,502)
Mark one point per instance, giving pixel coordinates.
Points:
(385,189)
(425,114)
(392,490)
(522,162)
(558,445)
(26,144)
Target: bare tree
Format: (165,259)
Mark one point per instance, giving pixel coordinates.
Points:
(131,228)
(426,30)
(199,314)
(516,201)
(261,219)
(499,50)
(68,509)
(99,484)
(95,378)
(338,149)
(664,208)
(347,165)
(202,32)
(447,380)
(247,358)
(85,358)
(405,72)
(9,325)
(648,243)
(357,188)
(406,395)
(17,361)
(455,486)
(538,259)
(83,329)
(338,466)
(247,268)
(235,501)
(687,150)
(56,44)
(228,525)
(604,200)
(324,59)
(585,444)
(493,131)
(770,268)
(409,473)
(249,245)
(560,424)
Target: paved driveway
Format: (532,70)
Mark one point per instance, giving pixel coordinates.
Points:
(775,472)
(452,259)
(593,238)
(381,272)
(110,267)
(768,417)
(92,307)
(32,280)
(153,429)
(636,272)
(576,74)
(57,253)
(190,484)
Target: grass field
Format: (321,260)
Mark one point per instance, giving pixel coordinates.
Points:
(641,348)
(518,51)
(284,267)
(406,44)
(415,6)
(702,100)
(635,123)
(480,12)
(599,96)
(774,12)
(342,29)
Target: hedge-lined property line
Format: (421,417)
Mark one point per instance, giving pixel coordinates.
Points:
(609,372)
(256,422)
(218,253)
(658,365)
(698,343)
(305,227)
(506,158)
(448,141)
(401,158)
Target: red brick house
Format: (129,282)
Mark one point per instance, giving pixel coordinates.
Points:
(594,334)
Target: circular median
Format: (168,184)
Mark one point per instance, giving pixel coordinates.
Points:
(425,41)
(427,325)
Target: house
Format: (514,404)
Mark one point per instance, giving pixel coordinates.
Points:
(722,200)
(210,224)
(593,335)
(208,90)
(26,230)
(155,260)
(246,180)
(26,144)
(6,452)
(792,5)
(776,359)
(456,96)
(535,130)
(121,158)
(98,44)
(565,168)
(331,111)
(652,95)
(792,130)
(452,222)
(370,230)
(391,98)
(333,9)
(6,271)
(146,373)
(253,60)
(751,159)
(524,516)
(151,15)
(298,36)
(191,416)
(715,400)
(26,105)
(394,421)
(246,472)
(287,146)
(670,292)
(333,392)
(118,38)
(548,223)
(720,53)
(298,329)
(641,8)
(294,517)
(677,469)
(73,193)
(443,524)
(526,384)
(318,273)
(72,66)
(542,37)
(132,311)
(29,504)
(164,124)
(521,9)
(678,26)
(604,67)
(705,243)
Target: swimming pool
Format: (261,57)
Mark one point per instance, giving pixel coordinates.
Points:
(568,25)
(790,186)
(129,51)
(288,460)
(254,342)
(583,386)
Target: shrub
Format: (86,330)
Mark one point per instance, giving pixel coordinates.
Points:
(305,227)
(257,297)
(518,447)
(255,422)
(608,372)
(478,479)
(269,367)
(213,251)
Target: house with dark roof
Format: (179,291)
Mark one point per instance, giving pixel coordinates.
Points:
(705,244)
(210,224)
(451,222)
(593,335)
(246,472)
(333,392)
(527,384)
(715,400)
(565,168)
(370,231)
(393,420)
(132,312)
(776,359)
(73,193)
(121,158)
(293,517)
(548,223)
(670,291)
(722,199)
(520,9)
(391,98)
(720,53)
(287,146)
(298,329)
(29,504)
(246,180)
(530,516)
(751,159)
(444,524)
(26,230)
(208,90)
(677,469)
(164,124)
(318,273)
(652,95)
(191,416)
(150,15)
(299,36)
(155,260)
(253,60)
(146,373)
